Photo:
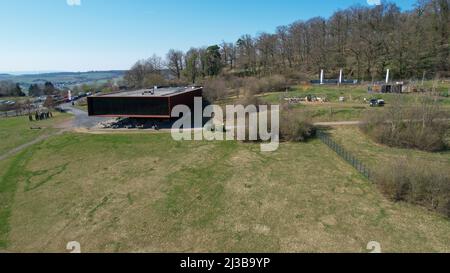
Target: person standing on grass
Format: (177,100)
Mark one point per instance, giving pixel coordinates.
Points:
(30,117)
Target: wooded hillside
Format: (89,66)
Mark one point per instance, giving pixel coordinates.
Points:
(364,41)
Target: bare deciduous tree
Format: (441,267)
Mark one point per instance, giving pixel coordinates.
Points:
(175,62)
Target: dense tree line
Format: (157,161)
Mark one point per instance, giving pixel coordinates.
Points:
(364,41)
(10,89)
(37,90)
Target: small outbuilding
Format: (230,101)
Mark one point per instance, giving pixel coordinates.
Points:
(385,88)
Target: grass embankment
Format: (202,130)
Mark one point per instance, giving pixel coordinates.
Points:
(146,192)
(373,153)
(16,131)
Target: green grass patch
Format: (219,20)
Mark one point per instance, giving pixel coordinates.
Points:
(195,195)
(16,131)
(332,93)
(10,171)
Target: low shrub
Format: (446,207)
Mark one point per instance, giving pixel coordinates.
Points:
(295,127)
(249,99)
(220,87)
(422,126)
(416,182)
(215,89)
(273,83)
(296,77)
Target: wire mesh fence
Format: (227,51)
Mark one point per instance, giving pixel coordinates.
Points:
(346,155)
(13,113)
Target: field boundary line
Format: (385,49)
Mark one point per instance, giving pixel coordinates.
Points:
(346,155)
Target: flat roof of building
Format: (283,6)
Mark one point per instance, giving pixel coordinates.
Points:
(159,92)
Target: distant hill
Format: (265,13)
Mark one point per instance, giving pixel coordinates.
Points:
(62,79)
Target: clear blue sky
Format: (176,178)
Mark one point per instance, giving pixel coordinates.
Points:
(51,35)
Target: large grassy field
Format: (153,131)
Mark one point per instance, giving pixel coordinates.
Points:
(16,131)
(147,193)
(144,192)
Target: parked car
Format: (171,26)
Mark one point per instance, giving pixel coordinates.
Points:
(373,102)
(376,103)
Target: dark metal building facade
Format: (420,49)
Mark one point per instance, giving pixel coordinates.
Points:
(142,104)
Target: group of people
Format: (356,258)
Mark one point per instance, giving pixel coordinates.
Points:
(40,115)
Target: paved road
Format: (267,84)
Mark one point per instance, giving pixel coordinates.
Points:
(338,123)
(82,120)
(353,123)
